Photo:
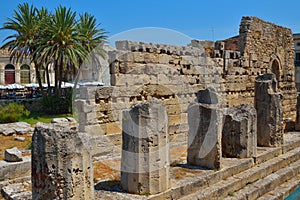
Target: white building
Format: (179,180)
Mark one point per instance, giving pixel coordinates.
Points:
(21,73)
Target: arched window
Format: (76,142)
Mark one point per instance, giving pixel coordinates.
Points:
(25,74)
(9,74)
(275,68)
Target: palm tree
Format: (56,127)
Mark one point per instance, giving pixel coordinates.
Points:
(60,44)
(91,38)
(53,38)
(22,44)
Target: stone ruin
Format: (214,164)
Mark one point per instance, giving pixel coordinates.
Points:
(268,104)
(239,133)
(169,92)
(145,149)
(139,71)
(61,163)
(205,121)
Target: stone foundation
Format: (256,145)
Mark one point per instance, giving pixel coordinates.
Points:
(268,104)
(61,164)
(205,131)
(239,134)
(145,150)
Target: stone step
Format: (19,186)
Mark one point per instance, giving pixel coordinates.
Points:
(205,179)
(266,153)
(270,182)
(282,191)
(16,189)
(234,183)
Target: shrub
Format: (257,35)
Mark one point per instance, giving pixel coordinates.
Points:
(12,112)
(53,104)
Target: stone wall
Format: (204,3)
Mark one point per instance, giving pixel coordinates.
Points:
(174,75)
(267,48)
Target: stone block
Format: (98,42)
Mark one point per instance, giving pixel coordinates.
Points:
(239,136)
(145,149)
(104,92)
(204,136)
(113,128)
(61,163)
(87,92)
(207,96)
(13,155)
(268,104)
(12,170)
(297,124)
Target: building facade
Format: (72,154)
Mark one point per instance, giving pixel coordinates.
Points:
(20,73)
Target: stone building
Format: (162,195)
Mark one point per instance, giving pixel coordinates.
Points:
(21,73)
(139,71)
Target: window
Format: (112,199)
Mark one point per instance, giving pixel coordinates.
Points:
(9,74)
(25,74)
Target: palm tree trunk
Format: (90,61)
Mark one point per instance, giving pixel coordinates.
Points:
(38,75)
(48,77)
(60,74)
(56,76)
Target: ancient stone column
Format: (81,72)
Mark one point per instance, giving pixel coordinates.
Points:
(239,136)
(268,104)
(145,150)
(61,164)
(205,131)
(85,106)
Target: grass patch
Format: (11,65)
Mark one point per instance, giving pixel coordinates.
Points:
(32,119)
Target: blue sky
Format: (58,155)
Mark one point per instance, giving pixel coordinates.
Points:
(190,19)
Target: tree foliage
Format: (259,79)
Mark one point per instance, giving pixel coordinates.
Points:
(60,38)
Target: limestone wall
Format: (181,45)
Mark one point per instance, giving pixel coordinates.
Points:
(174,75)
(267,47)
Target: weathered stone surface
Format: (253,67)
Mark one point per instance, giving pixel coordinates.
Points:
(17,191)
(140,71)
(104,92)
(63,120)
(61,163)
(59,120)
(207,96)
(13,155)
(268,104)
(297,124)
(11,170)
(145,149)
(15,128)
(21,139)
(239,134)
(205,131)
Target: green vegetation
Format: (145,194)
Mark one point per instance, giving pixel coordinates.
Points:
(61,38)
(54,104)
(12,112)
(47,108)
(34,118)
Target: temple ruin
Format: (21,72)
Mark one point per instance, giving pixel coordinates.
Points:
(203,121)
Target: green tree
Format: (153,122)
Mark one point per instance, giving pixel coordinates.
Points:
(58,38)
(22,43)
